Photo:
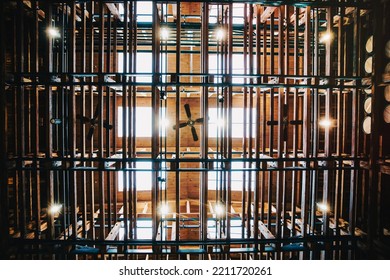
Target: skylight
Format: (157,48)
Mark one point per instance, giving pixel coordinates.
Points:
(216,122)
(144,116)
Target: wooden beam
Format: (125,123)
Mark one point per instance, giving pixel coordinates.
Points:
(265,231)
(114,11)
(266,14)
(40,12)
(145,210)
(114,231)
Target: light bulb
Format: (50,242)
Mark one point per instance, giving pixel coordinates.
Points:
(219,210)
(322,206)
(53,32)
(220,34)
(164,209)
(326,37)
(55,209)
(325,123)
(164,33)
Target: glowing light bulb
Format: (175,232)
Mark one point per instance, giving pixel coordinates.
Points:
(164,33)
(322,206)
(53,32)
(164,210)
(55,209)
(326,37)
(219,210)
(220,34)
(325,123)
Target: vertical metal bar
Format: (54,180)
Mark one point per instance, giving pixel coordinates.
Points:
(114,119)
(205,107)
(48,62)
(21,117)
(258,130)
(264,121)
(100,126)
(134,120)
(250,144)
(4,221)
(72,119)
(280,141)
(295,128)
(129,42)
(373,174)
(107,120)
(91,94)
(177,135)
(245,123)
(230,118)
(315,114)
(82,127)
(124,123)
(306,123)
(328,134)
(35,120)
(155,110)
(285,131)
(341,129)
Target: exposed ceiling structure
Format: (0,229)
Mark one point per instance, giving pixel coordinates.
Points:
(195,130)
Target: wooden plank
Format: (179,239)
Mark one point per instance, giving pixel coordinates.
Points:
(265,231)
(145,209)
(266,14)
(39,11)
(114,11)
(114,231)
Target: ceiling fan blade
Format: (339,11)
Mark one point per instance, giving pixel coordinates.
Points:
(180,125)
(107,125)
(96,114)
(83,119)
(200,120)
(194,135)
(188,111)
(90,132)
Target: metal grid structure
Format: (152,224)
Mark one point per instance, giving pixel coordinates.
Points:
(312,182)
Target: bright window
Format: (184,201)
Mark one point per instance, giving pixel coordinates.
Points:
(216,122)
(143,178)
(144,66)
(144,11)
(216,67)
(236,177)
(144,117)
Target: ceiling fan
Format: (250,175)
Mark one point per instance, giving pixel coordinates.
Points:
(93,122)
(190,122)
